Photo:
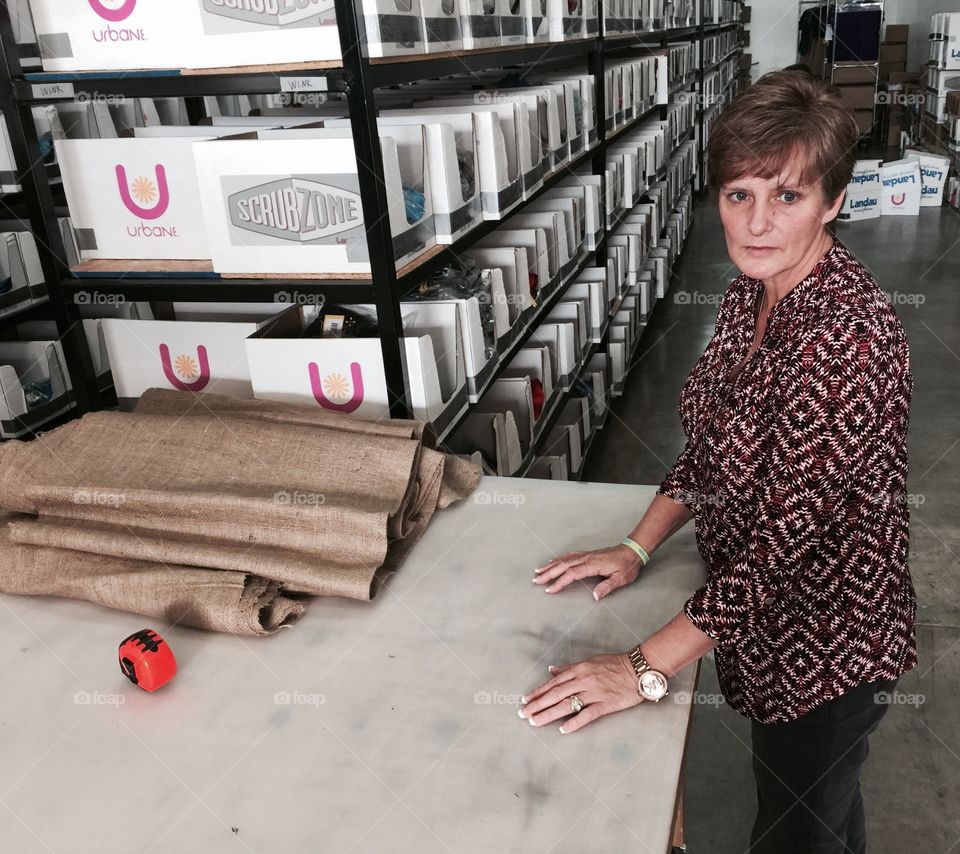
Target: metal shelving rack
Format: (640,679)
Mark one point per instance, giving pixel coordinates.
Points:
(357,77)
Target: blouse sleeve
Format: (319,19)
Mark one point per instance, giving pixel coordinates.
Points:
(835,393)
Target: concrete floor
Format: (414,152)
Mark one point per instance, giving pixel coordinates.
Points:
(912,779)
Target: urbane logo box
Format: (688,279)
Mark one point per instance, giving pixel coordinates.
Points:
(112,12)
(298,210)
(271,13)
(333,391)
(186,373)
(144,197)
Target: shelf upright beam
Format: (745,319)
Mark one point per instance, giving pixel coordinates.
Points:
(596,65)
(358,85)
(41,214)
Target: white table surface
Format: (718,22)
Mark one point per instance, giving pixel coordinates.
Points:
(399,733)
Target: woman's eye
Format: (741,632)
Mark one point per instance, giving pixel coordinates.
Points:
(788,196)
(738,196)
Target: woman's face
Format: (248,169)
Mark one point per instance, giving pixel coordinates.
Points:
(775,226)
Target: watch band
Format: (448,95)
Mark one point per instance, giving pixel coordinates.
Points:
(640,664)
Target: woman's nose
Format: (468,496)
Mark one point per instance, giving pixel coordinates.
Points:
(760,221)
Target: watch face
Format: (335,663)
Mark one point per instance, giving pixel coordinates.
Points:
(653,685)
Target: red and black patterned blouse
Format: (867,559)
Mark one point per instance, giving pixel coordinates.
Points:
(795,469)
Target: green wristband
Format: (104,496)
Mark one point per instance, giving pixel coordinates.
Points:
(634,546)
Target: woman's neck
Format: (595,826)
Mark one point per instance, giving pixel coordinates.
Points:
(777,287)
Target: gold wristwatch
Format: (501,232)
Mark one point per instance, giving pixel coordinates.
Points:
(651,684)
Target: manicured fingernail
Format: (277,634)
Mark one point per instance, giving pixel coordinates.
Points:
(562,731)
(551,668)
(548,590)
(596,596)
(523,700)
(540,569)
(520,713)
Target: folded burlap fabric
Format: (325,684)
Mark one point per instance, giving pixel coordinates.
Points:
(294,496)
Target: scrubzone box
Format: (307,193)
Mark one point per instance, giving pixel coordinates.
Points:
(289,202)
(346,375)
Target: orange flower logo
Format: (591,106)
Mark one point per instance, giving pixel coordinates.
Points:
(186,367)
(144,190)
(336,386)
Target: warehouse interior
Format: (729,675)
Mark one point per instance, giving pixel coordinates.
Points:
(324,325)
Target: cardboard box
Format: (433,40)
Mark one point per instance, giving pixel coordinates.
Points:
(860,205)
(280,204)
(888,69)
(440,20)
(934,170)
(746,14)
(897,34)
(901,188)
(859,97)
(953,103)
(479,24)
(25,362)
(854,72)
(893,52)
(136,197)
(107,34)
(204,354)
(347,375)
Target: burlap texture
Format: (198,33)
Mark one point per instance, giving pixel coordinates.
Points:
(294,496)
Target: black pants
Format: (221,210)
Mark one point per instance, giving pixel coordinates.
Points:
(808,776)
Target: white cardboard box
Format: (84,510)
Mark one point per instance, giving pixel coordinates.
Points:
(347,374)
(127,34)
(933,173)
(24,362)
(902,188)
(860,205)
(281,204)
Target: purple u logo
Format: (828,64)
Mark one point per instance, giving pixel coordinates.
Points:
(114,16)
(336,386)
(196,373)
(146,192)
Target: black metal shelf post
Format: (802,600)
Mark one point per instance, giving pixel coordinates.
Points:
(358,84)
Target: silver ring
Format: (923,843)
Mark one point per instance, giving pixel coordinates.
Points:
(576,704)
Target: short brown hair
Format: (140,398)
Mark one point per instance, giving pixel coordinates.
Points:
(783,115)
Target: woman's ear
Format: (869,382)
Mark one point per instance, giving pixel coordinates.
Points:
(834,209)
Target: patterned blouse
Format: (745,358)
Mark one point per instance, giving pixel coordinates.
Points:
(795,469)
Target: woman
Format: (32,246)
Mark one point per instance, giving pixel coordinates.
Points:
(794,470)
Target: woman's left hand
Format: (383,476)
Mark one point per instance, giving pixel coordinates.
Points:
(604,684)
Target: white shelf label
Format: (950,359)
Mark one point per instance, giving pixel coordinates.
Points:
(52,90)
(303,84)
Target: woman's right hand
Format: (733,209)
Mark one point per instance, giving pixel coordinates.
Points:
(617,565)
